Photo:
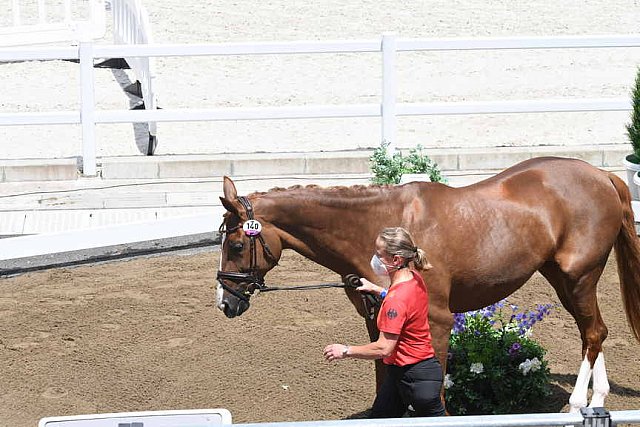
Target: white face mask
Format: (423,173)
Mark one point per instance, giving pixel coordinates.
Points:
(378,266)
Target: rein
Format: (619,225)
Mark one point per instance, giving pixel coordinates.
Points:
(305,287)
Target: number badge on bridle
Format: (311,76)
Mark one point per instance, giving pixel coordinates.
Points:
(252,227)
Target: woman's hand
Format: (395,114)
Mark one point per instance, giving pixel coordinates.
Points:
(369,287)
(335,352)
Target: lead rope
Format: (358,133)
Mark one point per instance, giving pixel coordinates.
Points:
(371,302)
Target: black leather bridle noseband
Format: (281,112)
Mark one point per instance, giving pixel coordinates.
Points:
(251,276)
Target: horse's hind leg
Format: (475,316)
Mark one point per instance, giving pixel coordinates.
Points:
(579,298)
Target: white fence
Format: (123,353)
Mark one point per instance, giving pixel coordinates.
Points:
(53,23)
(131,26)
(98,237)
(520,420)
(593,417)
(388,109)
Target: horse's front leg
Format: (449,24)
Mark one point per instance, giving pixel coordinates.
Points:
(440,319)
(441,322)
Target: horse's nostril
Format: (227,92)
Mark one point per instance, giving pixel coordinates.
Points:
(227,310)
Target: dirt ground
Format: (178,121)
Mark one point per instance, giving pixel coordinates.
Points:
(144,334)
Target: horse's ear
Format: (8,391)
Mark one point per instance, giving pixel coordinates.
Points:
(229,190)
(229,206)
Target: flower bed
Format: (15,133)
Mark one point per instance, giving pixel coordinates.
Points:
(494,366)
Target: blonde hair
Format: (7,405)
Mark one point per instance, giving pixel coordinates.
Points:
(398,241)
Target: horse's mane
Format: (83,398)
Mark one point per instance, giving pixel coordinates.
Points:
(338,190)
(318,188)
(336,196)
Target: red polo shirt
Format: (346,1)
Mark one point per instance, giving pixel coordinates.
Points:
(404,312)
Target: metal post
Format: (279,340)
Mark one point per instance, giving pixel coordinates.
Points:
(87,109)
(595,417)
(389,90)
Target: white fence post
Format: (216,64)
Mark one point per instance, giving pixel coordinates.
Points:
(42,12)
(15,6)
(87,109)
(67,11)
(389,90)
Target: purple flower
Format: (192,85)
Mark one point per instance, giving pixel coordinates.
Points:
(518,321)
(459,322)
(515,349)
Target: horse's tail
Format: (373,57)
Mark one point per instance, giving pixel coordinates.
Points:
(627,247)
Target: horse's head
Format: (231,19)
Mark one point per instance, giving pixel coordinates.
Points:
(250,248)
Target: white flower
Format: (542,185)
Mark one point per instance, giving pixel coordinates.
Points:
(448,382)
(535,364)
(476,368)
(530,365)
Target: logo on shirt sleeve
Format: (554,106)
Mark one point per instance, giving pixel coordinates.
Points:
(392,314)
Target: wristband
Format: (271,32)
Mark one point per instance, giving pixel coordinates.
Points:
(383,293)
(345,351)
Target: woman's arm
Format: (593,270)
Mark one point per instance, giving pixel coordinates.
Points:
(375,350)
(370,287)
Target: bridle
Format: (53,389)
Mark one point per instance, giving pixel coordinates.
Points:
(256,282)
(250,276)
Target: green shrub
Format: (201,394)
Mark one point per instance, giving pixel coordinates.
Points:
(633,128)
(389,169)
(494,367)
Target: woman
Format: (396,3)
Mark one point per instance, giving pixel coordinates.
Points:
(414,376)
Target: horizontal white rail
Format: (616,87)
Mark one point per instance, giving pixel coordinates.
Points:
(519,106)
(510,420)
(38,53)
(89,238)
(257,48)
(497,43)
(46,118)
(258,113)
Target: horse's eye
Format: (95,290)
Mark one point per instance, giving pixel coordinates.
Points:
(236,246)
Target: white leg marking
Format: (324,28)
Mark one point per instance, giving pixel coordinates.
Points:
(578,398)
(600,383)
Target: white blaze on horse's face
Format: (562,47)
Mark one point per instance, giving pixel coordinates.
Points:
(219,294)
(219,288)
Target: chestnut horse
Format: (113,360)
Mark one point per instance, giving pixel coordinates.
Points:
(558,216)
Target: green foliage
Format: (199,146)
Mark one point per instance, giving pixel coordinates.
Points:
(389,169)
(633,128)
(494,367)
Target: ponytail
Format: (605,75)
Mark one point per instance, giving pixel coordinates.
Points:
(420,260)
(398,241)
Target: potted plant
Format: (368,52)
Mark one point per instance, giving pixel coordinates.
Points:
(632,161)
(396,168)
